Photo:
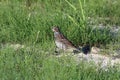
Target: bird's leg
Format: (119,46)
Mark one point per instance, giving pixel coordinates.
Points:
(57,50)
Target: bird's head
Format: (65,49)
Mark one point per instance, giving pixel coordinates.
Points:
(55,29)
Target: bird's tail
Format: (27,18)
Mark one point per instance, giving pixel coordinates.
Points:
(77,50)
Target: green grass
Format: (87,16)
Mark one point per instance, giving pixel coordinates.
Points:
(29,22)
(21,23)
(34,63)
(37,65)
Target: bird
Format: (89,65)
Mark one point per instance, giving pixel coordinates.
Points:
(62,43)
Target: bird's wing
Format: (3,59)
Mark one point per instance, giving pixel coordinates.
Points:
(61,36)
(64,40)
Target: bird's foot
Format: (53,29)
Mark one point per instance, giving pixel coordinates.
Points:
(57,53)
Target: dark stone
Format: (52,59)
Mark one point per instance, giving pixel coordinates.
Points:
(86,49)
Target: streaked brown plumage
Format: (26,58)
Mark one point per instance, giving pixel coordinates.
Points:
(62,42)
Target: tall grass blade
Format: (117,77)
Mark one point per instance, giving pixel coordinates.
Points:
(71,5)
(82,10)
(73,20)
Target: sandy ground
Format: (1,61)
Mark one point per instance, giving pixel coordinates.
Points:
(94,56)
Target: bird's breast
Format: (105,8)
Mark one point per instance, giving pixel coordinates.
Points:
(60,45)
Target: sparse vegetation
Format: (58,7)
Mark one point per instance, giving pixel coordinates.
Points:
(29,22)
